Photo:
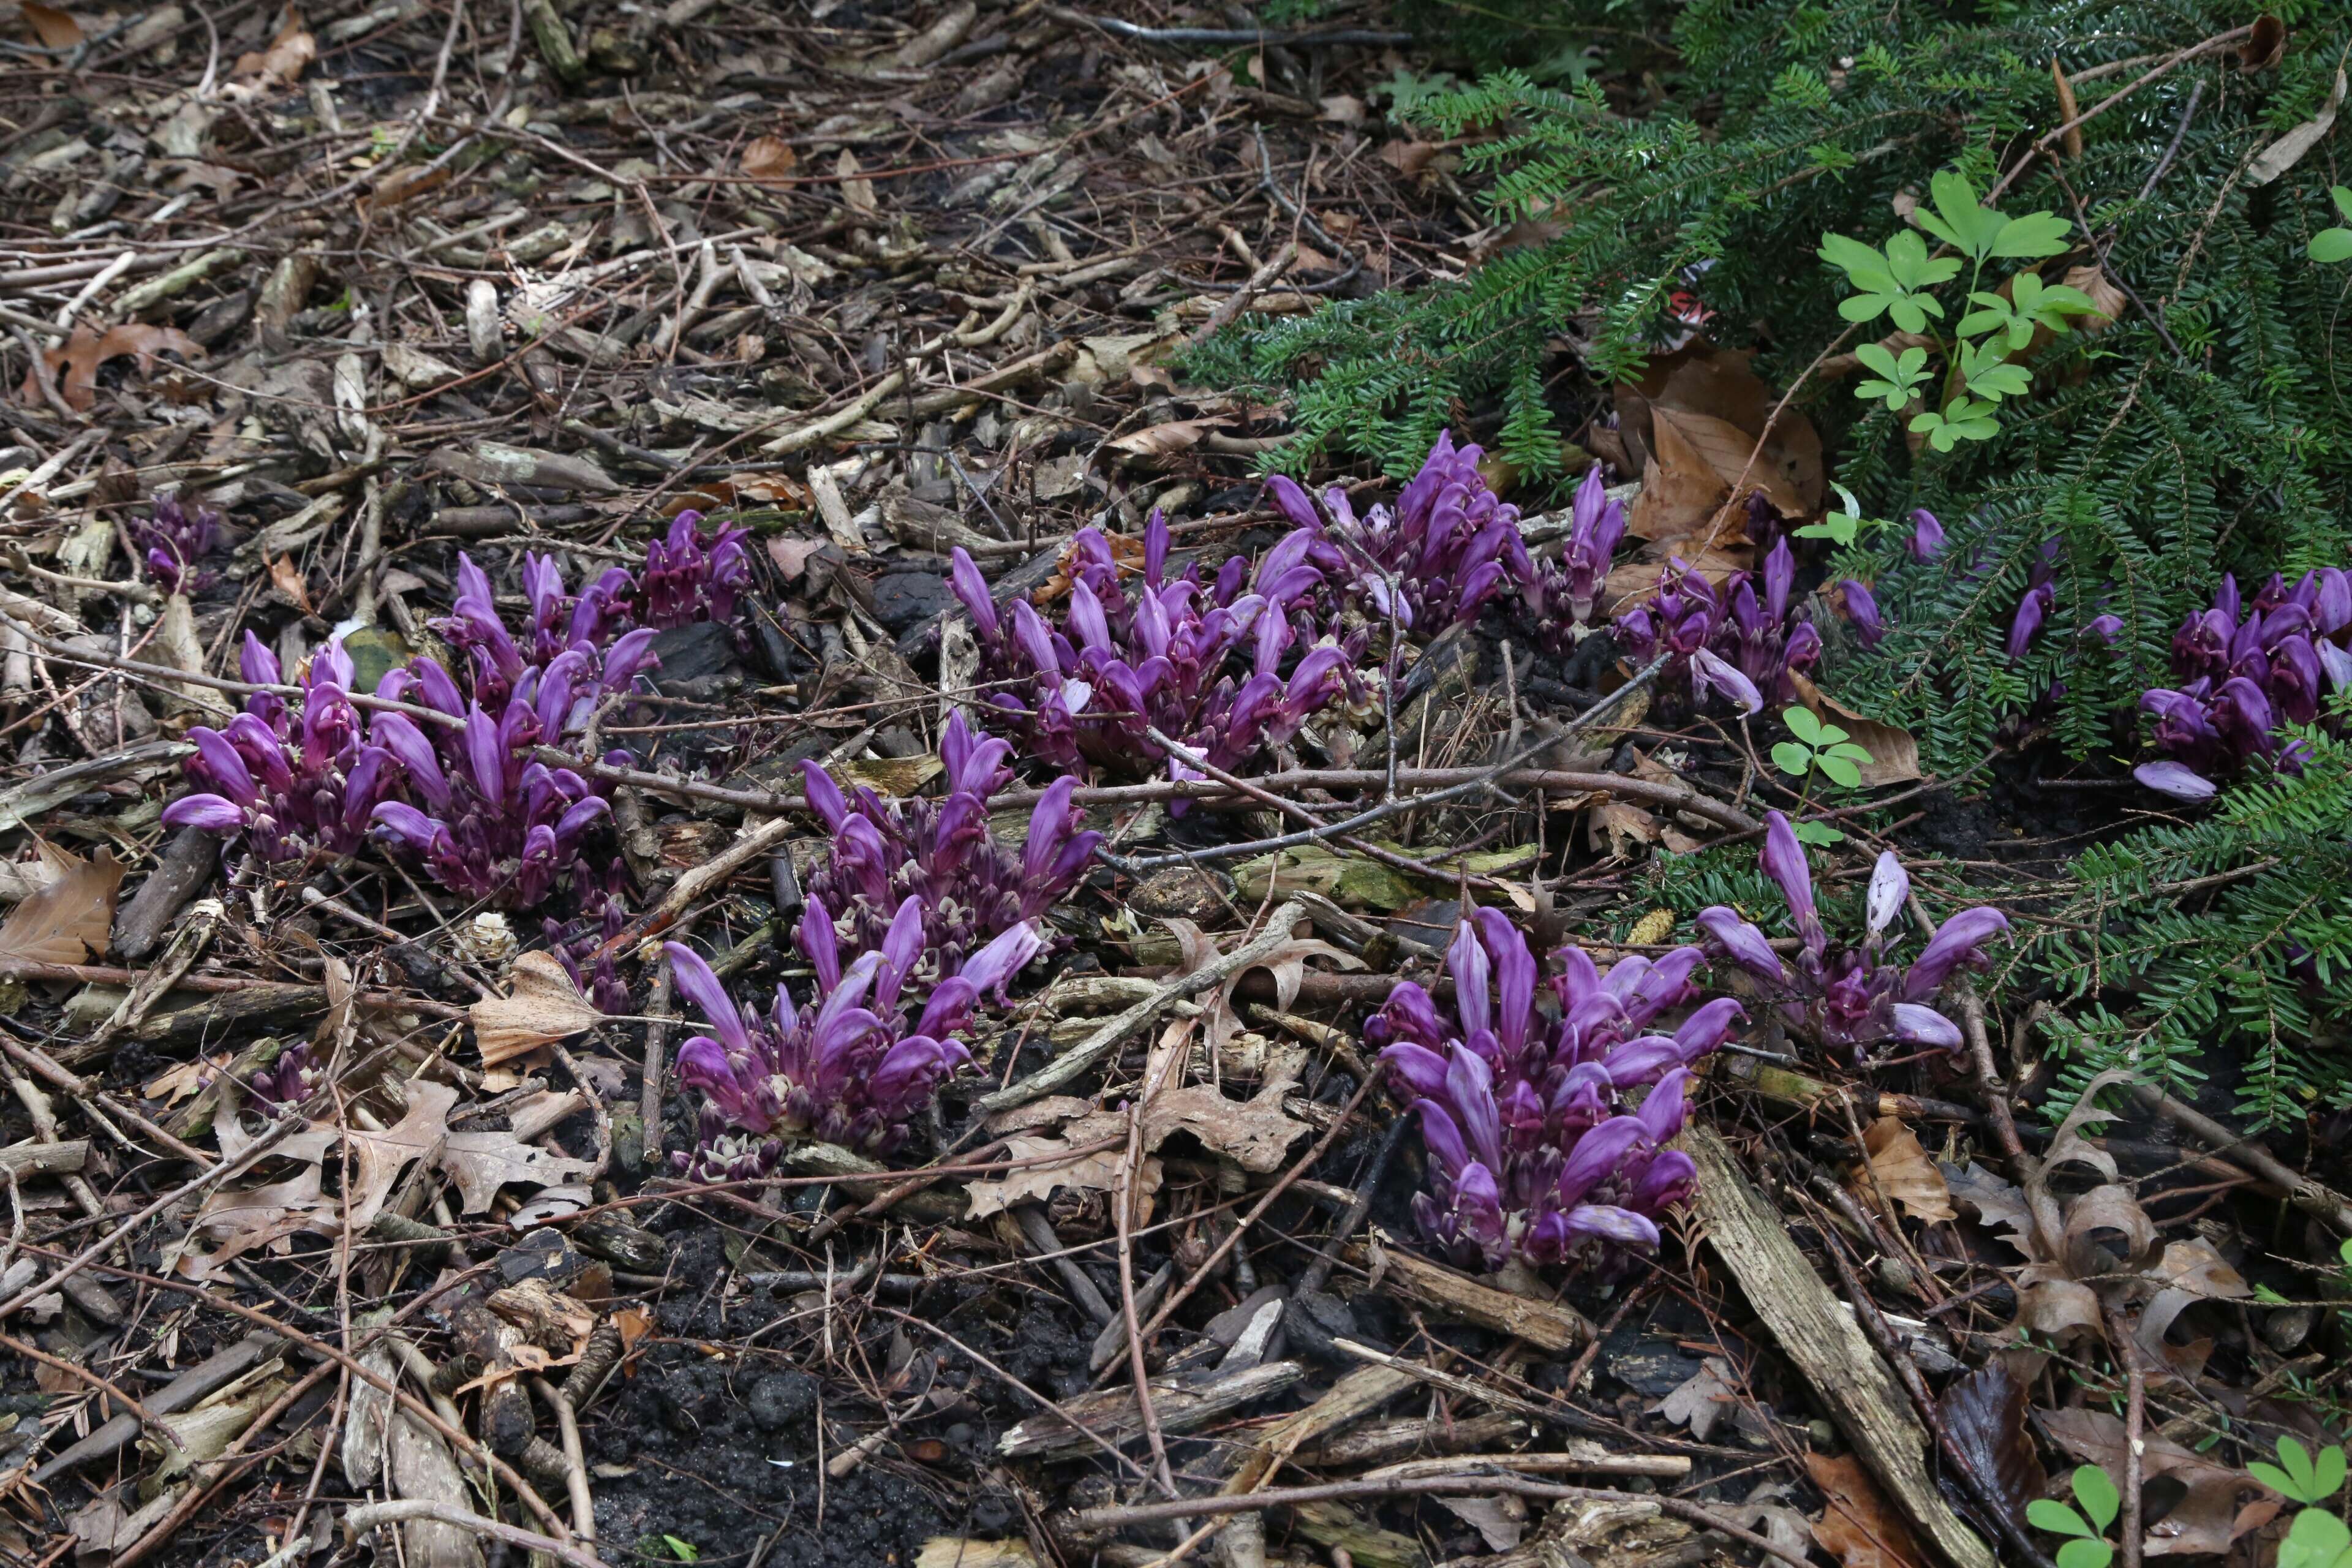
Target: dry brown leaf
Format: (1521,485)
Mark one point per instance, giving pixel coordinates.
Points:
(1701,1400)
(1999,1204)
(856,191)
(1856,1526)
(1409,158)
(769,158)
(177,1083)
(52,26)
(2103,291)
(86,351)
(542,1007)
(1901,1170)
(69,919)
(1166,440)
(1620,828)
(1253,1133)
(2220,1505)
(482,1162)
(1058,1169)
(289,54)
(287,578)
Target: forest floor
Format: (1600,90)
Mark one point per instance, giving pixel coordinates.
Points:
(384,284)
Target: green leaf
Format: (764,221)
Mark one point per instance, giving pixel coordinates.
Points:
(684,1551)
(2034,235)
(1849,750)
(1838,526)
(2342,197)
(1865,307)
(2096,1492)
(1957,219)
(1792,758)
(1828,735)
(1819,834)
(2086,1554)
(2331,244)
(1837,770)
(1912,267)
(2317,1540)
(2345,1252)
(2049,1514)
(1802,724)
(2327,1477)
(1851,256)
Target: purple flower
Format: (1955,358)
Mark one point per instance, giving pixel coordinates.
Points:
(969,888)
(1926,541)
(690,576)
(170,539)
(1862,610)
(1202,664)
(1535,1146)
(847,1066)
(1851,998)
(292,786)
(2246,670)
(1449,546)
(1748,626)
(1571,589)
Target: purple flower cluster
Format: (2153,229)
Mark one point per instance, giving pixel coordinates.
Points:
(1449,546)
(690,576)
(291,1077)
(2244,674)
(173,540)
(1120,664)
(2039,598)
(1730,641)
(943,855)
(291,786)
(590,627)
(1571,588)
(845,1068)
(1533,1151)
(491,821)
(1851,998)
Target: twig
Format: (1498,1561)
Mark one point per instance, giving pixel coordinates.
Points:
(1123,1517)
(368,1516)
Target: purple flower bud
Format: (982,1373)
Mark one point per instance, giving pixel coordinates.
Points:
(1712,674)
(1890,887)
(1741,942)
(210,812)
(1926,541)
(2107,629)
(1953,944)
(1862,611)
(1784,861)
(1917,1026)
(2176,780)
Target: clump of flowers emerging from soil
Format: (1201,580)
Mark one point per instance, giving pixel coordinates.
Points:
(1535,1149)
(2246,670)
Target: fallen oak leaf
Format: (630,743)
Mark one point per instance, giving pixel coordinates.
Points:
(2216,1505)
(55,29)
(289,54)
(1702,1400)
(86,351)
(1984,1413)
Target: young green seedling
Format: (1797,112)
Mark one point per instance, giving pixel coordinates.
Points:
(2101,1502)
(1818,748)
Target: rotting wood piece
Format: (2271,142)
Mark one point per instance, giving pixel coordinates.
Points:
(1827,1346)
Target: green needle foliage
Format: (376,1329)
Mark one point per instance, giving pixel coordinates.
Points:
(1768,169)
(2238,924)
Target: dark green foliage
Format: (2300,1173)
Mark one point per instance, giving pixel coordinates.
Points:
(2237,924)
(2156,464)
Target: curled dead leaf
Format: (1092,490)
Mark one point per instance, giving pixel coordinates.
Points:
(55,29)
(289,54)
(542,1007)
(769,158)
(1901,1172)
(68,919)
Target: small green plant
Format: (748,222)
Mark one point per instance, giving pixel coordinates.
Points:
(683,1550)
(2315,1540)
(2101,1503)
(2297,1475)
(2335,244)
(1818,748)
(1896,283)
(1843,527)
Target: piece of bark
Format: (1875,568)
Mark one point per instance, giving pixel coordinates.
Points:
(1554,1325)
(1822,1339)
(187,864)
(422,1470)
(34,1158)
(1112,1414)
(206,1378)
